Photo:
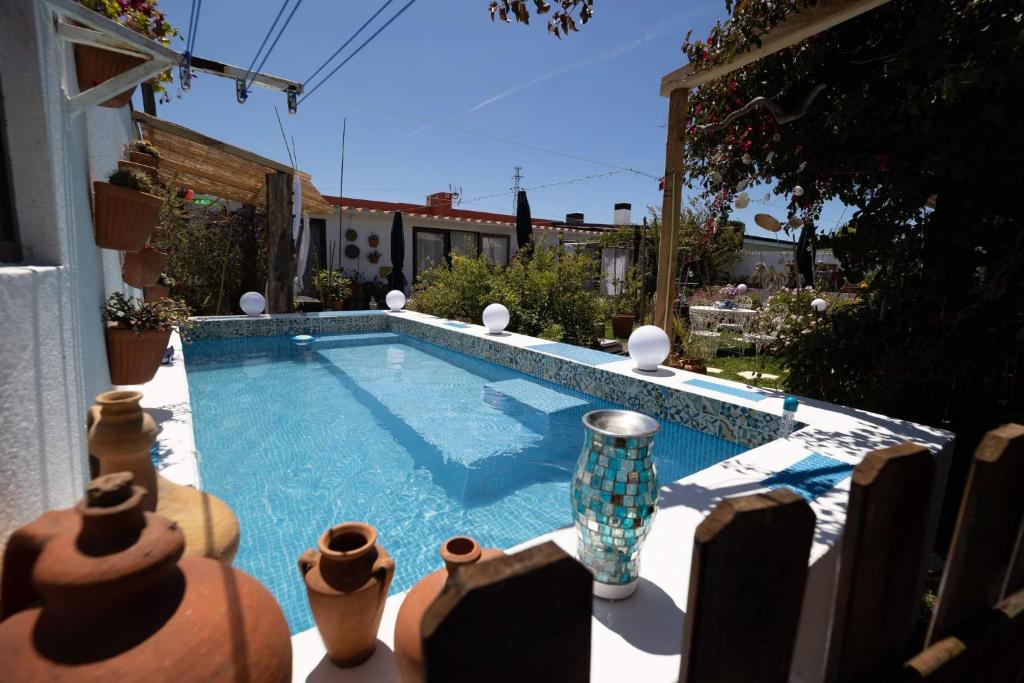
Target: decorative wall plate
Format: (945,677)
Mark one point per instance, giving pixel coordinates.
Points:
(352,251)
(351,235)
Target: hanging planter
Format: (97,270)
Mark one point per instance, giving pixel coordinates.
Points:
(373,240)
(137,335)
(143,268)
(143,152)
(126,214)
(373,256)
(154,293)
(148,171)
(94,66)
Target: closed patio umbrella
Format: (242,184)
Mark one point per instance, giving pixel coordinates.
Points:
(805,254)
(524,223)
(396,279)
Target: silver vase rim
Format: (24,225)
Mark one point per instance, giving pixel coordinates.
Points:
(624,423)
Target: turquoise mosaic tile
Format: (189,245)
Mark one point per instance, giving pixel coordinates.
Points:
(536,396)
(577,353)
(731,391)
(811,477)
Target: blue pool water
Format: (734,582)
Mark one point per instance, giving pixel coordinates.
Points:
(422,442)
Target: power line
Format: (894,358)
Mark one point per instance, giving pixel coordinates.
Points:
(357,50)
(274,44)
(350,39)
(555,184)
(487,136)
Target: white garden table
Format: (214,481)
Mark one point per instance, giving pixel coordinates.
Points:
(739,318)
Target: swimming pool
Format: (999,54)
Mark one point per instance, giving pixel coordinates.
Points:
(418,440)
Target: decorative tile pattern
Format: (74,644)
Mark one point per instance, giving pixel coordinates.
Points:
(732,391)
(614,496)
(583,355)
(536,396)
(811,477)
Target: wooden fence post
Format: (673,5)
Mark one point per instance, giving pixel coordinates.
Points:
(988,526)
(525,617)
(882,561)
(279,242)
(747,583)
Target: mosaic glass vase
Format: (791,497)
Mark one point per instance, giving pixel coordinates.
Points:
(614,495)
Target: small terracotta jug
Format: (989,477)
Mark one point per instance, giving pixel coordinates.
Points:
(347,582)
(100,593)
(121,435)
(456,552)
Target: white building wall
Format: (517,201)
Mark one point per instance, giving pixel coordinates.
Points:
(52,353)
(778,260)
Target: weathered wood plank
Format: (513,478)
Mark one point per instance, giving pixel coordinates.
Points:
(670,207)
(279,242)
(882,561)
(747,582)
(988,526)
(525,617)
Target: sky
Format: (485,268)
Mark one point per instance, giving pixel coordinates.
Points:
(584,109)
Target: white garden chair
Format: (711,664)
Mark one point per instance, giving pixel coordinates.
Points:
(765,328)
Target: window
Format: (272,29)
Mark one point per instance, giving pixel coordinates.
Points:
(10,250)
(432,246)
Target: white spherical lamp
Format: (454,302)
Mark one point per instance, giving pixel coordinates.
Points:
(649,346)
(395,300)
(496,318)
(819,305)
(252,303)
(741,289)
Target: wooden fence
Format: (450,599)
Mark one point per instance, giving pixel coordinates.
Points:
(749,569)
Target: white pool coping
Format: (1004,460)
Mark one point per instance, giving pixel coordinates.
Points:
(643,633)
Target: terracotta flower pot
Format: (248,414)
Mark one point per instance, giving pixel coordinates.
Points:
(622,326)
(338,305)
(135,358)
(144,169)
(121,435)
(374,241)
(100,593)
(457,552)
(144,159)
(154,293)
(347,582)
(125,218)
(143,268)
(94,66)
(373,257)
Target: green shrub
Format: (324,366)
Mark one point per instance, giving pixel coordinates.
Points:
(332,285)
(552,332)
(459,292)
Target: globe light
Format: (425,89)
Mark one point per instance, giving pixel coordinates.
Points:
(252,303)
(649,346)
(495,318)
(819,305)
(742,289)
(395,300)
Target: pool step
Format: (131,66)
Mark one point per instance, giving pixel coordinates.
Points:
(542,409)
(338,341)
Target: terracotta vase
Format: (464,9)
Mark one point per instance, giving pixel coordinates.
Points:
(95,65)
(144,159)
(125,218)
(144,169)
(347,582)
(143,268)
(622,326)
(154,293)
(121,435)
(135,358)
(373,241)
(457,552)
(99,593)
(338,305)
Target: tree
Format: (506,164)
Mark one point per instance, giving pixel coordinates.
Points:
(561,22)
(909,115)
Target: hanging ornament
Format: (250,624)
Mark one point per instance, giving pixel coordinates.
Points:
(767,198)
(742,200)
(801,167)
(716,177)
(767,222)
(932,200)
(747,159)
(798,191)
(777,137)
(742,185)
(771,155)
(795,221)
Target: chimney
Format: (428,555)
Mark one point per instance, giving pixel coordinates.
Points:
(622,214)
(440,200)
(574,218)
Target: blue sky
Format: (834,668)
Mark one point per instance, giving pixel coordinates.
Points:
(592,95)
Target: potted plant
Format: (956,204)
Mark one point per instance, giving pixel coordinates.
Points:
(143,268)
(143,152)
(137,335)
(126,211)
(333,288)
(373,256)
(161,290)
(95,65)
(373,239)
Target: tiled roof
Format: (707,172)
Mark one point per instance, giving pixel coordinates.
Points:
(454,214)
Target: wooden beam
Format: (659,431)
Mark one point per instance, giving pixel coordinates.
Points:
(747,581)
(670,208)
(279,242)
(794,28)
(987,528)
(882,562)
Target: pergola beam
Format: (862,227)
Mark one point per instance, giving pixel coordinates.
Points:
(795,28)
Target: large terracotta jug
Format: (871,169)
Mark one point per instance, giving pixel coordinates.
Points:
(456,552)
(347,582)
(121,435)
(99,593)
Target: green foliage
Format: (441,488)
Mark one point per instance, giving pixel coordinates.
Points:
(544,294)
(166,280)
(553,332)
(132,180)
(708,245)
(214,255)
(332,285)
(129,313)
(562,22)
